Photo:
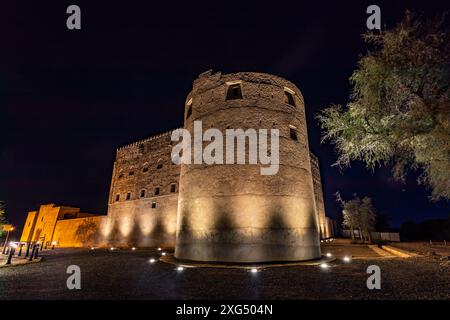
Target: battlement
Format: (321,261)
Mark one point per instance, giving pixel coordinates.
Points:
(155,137)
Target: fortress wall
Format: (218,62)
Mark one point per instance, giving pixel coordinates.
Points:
(134,221)
(232,212)
(66,232)
(325,231)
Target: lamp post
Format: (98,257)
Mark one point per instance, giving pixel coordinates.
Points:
(8,228)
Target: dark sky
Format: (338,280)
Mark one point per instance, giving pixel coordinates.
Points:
(69,98)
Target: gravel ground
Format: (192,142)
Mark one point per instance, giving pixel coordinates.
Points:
(126,274)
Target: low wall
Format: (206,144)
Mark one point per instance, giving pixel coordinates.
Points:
(88,234)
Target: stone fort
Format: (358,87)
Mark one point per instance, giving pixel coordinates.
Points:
(216,212)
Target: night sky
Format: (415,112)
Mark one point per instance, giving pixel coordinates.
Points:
(68,99)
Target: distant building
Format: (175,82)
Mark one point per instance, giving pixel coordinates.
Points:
(59,224)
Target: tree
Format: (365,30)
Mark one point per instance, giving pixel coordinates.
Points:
(87,231)
(367,215)
(399,109)
(358,214)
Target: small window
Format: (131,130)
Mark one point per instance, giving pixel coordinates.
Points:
(117,197)
(42,219)
(189,112)
(234,91)
(120,176)
(156,191)
(173,188)
(145,169)
(289,98)
(153,204)
(131,173)
(293,133)
(128,195)
(142,195)
(159,166)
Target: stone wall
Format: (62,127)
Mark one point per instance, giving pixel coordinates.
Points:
(325,230)
(138,212)
(59,223)
(65,234)
(232,212)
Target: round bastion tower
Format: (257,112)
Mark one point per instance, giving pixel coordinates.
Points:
(231,212)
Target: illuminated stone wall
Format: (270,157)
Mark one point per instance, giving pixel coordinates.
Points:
(325,230)
(65,234)
(139,216)
(59,223)
(232,212)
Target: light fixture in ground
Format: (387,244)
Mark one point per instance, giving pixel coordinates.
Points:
(133,248)
(179,268)
(159,249)
(328,254)
(152,260)
(347,259)
(254,270)
(112,248)
(163,253)
(324,266)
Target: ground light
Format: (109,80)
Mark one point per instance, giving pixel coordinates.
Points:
(179,268)
(163,253)
(254,270)
(152,260)
(133,248)
(346,259)
(112,248)
(324,266)
(159,249)
(328,254)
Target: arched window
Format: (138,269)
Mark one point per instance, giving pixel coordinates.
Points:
(128,196)
(142,194)
(117,197)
